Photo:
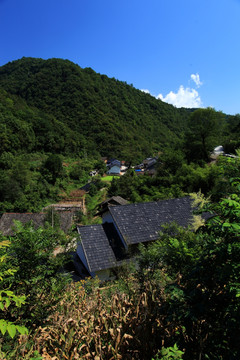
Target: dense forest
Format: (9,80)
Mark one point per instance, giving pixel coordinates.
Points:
(179,299)
(56,106)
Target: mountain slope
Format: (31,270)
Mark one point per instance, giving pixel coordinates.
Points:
(77,110)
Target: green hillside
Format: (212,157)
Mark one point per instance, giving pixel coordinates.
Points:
(56,106)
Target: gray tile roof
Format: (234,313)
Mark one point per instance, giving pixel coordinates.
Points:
(137,223)
(38,219)
(142,222)
(118,200)
(96,246)
(113,201)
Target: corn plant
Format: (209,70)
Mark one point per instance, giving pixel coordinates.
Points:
(96,326)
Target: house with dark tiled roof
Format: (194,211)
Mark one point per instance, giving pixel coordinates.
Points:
(100,249)
(7,220)
(114,170)
(113,201)
(104,247)
(149,162)
(114,167)
(113,162)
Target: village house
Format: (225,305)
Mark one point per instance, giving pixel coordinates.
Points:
(148,166)
(113,201)
(114,167)
(7,226)
(149,162)
(123,167)
(93,173)
(104,247)
(114,170)
(113,162)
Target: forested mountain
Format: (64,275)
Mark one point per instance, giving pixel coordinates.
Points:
(56,106)
(181,300)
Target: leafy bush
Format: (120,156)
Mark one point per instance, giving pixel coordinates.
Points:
(8,299)
(170,353)
(32,253)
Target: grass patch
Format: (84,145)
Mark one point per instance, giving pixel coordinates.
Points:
(107,178)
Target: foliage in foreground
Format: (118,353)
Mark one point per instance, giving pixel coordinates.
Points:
(7,297)
(98,326)
(181,303)
(31,279)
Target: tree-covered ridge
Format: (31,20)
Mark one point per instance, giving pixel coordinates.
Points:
(27,129)
(70,109)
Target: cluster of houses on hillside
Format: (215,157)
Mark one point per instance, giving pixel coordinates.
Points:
(114,167)
(117,167)
(102,248)
(147,166)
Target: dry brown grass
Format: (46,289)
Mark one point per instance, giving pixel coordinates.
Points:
(97,326)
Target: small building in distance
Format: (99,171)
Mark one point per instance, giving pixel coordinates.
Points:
(113,201)
(114,170)
(114,167)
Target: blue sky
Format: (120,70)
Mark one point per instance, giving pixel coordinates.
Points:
(185,52)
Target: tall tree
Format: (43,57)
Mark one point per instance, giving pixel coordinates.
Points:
(204,133)
(52,168)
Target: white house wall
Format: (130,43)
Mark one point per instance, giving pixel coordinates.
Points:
(82,257)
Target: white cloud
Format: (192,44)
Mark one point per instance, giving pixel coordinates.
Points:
(185,97)
(196,79)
